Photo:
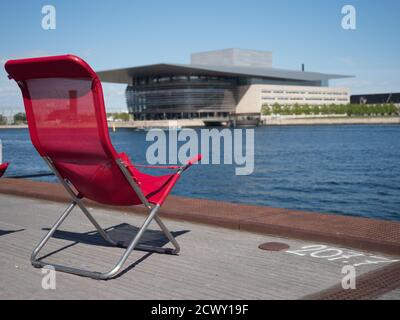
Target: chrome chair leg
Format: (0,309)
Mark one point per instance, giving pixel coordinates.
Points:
(50,233)
(134,244)
(168,234)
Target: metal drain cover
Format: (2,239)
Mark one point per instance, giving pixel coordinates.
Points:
(273,246)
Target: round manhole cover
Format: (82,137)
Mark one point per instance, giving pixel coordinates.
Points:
(273,246)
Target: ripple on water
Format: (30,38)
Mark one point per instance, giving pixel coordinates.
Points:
(353,170)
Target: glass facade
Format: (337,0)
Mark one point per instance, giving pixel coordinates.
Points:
(181,97)
(195,96)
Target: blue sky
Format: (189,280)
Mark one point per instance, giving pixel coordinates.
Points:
(112,34)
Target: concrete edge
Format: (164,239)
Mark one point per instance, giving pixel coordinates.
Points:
(359,233)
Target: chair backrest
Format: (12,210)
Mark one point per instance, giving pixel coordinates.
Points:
(67,122)
(64,106)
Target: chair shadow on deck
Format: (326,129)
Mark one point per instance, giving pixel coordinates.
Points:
(122,233)
(5,232)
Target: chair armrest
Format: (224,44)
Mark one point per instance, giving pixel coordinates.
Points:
(155,167)
(127,162)
(191,162)
(176,176)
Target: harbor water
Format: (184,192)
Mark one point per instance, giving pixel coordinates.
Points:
(351,170)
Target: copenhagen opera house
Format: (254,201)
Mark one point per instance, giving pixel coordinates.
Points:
(220,86)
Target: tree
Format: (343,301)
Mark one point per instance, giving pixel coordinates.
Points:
(296,109)
(123,116)
(3,120)
(306,109)
(315,110)
(266,110)
(19,118)
(276,108)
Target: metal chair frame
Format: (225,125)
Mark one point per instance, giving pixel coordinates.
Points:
(76,200)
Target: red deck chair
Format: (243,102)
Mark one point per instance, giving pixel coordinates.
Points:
(66,116)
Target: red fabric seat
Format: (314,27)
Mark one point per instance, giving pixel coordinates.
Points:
(153,187)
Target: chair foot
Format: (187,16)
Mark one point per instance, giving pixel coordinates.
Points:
(134,244)
(148,248)
(156,249)
(79,272)
(37,264)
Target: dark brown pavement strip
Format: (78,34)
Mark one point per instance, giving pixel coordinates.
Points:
(368,286)
(361,233)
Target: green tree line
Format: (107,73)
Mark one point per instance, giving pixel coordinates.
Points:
(124,116)
(20,117)
(333,109)
(3,120)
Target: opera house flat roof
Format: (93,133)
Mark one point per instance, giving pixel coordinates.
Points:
(125,75)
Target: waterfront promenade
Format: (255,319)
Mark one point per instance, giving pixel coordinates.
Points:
(220,258)
(266,120)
